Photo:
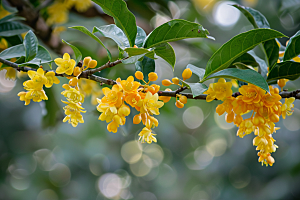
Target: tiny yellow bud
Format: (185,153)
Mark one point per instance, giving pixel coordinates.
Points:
(92,64)
(178,104)
(175,80)
(137,119)
(281,82)
(166,82)
(229,117)
(183,99)
(187,73)
(77,71)
(135,46)
(73,82)
(152,76)
(139,75)
(86,61)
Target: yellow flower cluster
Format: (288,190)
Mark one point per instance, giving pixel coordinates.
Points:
(34,86)
(266,109)
(143,98)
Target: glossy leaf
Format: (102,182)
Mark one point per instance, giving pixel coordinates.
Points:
(136,51)
(151,55)
(14,40)
(288,69)
(262,65)
(237,46)
(247,75)
(11,17)
(166,52)
(31,46)
(123,18)
(140,37)
(87,32)
(272,52)
(78,55)
(196,88)
(246,59)
(174,30)
(292,48)
(146,66)
(42,57)
(133,59)
(9,8)
(8,29)
(196,70)
(115,33)
(13,52)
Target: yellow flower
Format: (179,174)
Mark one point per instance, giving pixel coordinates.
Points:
(22,96)
(245,128)
(51,79)
(37,79)
(281,82)
(65,65)
(10,72)
(186,74)
(150,104)
(73,112)
(132,99)
(113,96)
(286,108)
(72,94)
(251,93)
(130,85)
(219,90)
(58,13)
(36,95)
(147,135)
(80,5)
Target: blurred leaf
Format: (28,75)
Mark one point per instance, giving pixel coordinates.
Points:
(288,69)
(258,20)
(12,28)
(87,32)
(196,88)
(123,18)
(54,111)
(114,33)
(245,75)
(289,5)
(136,51)
(78,55)
(31,46)
(151,55)
(196,70)
(13,52)
(237,46)
(166,52)
(176,29)
(146,66)
(293,47)
(11,17)
(140,37)
(9,8)
(133,59)
(262,65)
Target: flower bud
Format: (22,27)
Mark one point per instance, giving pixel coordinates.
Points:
(178,104)
(77,71)
(229,117)
(187,73)
(139,75)
(281,82)
(175,80)
(137,119)
(135,46)
(73,82)
(86,61)
(183,99)
(166,82)
(152,76)
(92,64)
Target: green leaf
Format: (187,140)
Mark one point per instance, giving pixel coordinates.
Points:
(151,55)
(12,28)
(140,37)
(11,17)
(87,32)
(133,59)
(246,59)
(245,75)
(13,52)
(176,29)
(258,20)
(14,40)
(78,55)
(42,57)
(262,65)
(292,48)
(31,46)
(123,18)
(289,5)
(288,69)
(146,66)
(9,8)
(54,112)
(196,88)
(114,33)
(237,46)
(196,70)
(136,51)
(166,52)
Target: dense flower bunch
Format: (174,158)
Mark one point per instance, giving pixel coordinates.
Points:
(266,109)
(144,98)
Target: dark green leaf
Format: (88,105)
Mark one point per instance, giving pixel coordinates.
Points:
(78,55)
(136,51)
(288,69)
(176,29)
(14,40)
(140,37)
(9,8)
(31,46)
(87,32)
(196,70)
(272,52)
(151,55)
(13,52)
(115,33)
(146,66)
(262,65)
(42,57)
(246,59)
(237,46)
(123,18)
(166,52)
(8,29)
(11,17)
(133,59)
(292,48)
(196,88)
(247,75)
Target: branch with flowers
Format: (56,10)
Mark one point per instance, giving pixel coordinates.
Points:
(258,94)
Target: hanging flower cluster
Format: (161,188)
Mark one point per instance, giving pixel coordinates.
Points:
(266,109)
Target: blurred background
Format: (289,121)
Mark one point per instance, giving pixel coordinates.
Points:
(197,156)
